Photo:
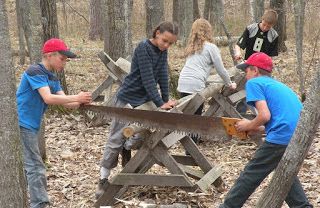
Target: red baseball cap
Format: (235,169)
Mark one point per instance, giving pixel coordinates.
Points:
(260,60)
(57,45)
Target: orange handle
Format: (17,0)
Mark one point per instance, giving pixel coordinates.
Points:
(229,125)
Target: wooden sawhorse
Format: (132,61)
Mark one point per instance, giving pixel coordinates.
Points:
(155,151)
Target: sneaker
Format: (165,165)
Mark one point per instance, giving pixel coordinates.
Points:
(102,187)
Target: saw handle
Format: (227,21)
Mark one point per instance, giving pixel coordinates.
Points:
(229,125)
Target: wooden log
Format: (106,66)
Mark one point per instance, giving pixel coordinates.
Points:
(133,129)
(224,41)
(151,180)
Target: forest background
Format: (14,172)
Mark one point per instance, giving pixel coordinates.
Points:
(74,148)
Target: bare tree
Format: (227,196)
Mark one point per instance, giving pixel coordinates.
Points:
(96,18)
(50,30)
(49,19)
(214,13)
(207,8)
(256,9)
(22,47)
(299,10)
(184,10)
(196,10)
(296,151)
(12,183)
(280,7)
(154,15)
(32,27)
(119,27)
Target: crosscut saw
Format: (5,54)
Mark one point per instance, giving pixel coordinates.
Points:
(207,126)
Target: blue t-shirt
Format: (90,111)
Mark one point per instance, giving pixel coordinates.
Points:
(283,104)
(31,106)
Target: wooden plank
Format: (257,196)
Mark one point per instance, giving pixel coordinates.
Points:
(116,71)
(199,158)
(211,110)
(107,197)
(234,98)
(205,182)
(226,106)
(194,104)
(193,173)
(151,180)
(161,154)
(184,160)
(113,68)
(105,84)
(124,65)
(108,94)
(172,138)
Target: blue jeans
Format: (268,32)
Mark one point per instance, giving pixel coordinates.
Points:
(34,168)
(265,160)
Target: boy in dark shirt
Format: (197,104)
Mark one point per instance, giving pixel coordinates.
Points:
(149,68)
(259,37)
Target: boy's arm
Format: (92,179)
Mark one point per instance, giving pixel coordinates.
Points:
(62,99)
(69,105)
(262,117)
(241,44)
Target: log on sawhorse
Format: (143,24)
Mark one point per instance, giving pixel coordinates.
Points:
(155,150)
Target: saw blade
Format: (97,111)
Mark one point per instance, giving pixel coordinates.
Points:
(206,126)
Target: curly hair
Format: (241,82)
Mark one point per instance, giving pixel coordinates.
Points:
(201,31)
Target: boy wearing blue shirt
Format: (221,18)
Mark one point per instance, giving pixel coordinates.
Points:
(38,88)
(278,113)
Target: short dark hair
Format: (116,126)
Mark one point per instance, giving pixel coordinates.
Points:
(166,26)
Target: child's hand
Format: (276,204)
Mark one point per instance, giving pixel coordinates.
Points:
(172,102)
(168,105)
(233,85)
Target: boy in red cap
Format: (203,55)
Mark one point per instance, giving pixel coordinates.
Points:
(39,87)
(278,113)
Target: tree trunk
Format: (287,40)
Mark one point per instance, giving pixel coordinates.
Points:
(299,10)
(119,25)
(217,13)
(49,19)
(175,11)
(196,10)
(185,19)
(96,18)
(280,27)
(32,27)
(154,15)
(65,16)
(207,8)
(296,151)
(50,30)
(257,9)
(12,182)
(22,47)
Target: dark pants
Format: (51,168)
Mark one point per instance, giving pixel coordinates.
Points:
(265,160)
(198,112)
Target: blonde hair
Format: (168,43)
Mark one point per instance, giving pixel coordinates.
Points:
(201,31)
(270,16)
